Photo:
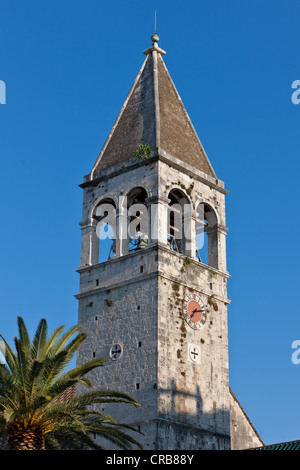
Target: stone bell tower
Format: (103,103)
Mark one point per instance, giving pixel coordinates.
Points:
(156,303)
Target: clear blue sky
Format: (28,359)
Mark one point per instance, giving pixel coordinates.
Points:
(68,66)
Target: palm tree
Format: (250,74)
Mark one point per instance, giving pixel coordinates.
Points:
(37,407)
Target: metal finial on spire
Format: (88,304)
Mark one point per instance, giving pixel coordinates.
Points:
(154,37)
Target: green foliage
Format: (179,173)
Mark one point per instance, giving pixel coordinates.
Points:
(190,189)
(37,410)
(175,286)
(144,151)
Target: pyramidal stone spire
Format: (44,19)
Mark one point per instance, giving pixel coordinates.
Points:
(153,113)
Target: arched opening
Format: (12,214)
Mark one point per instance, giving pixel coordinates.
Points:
(206,235)
(138,223)
(179,207)
(105,217)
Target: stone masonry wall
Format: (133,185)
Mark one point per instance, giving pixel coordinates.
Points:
(136,301)
(124,314)
(243,434)
(193,396)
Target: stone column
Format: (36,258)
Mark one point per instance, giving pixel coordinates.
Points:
(159,218)
(89,243)
(189,233)
(122,243)
(149,214)
(217,246)
(222,232)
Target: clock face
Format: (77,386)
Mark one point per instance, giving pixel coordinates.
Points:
(195,312)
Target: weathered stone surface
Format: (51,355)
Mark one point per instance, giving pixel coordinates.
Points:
(177,134)
(142,312)
(243,433)
(153,113)
(137,300)
(135,123)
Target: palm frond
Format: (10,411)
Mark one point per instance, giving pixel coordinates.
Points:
(53,338)
(24,338)
(39,341)
(62,342)
(35,399)
(10,356)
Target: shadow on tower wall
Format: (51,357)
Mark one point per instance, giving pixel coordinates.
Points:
(174,419)
(182,423)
